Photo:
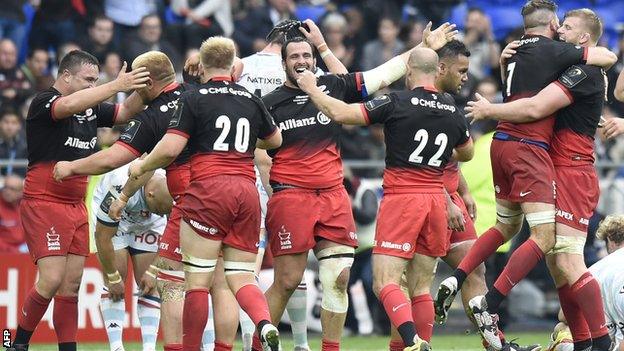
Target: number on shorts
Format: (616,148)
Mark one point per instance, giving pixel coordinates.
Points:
(241,139)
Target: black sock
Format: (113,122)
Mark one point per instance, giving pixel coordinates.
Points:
(583,345)
(408,332)
(67,346)
(261,324)
(602,343)
(494,298)
(460,276)
(22,336)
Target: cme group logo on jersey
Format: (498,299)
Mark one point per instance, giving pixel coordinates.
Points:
(433,104)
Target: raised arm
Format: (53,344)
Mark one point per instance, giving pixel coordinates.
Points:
(337,110)
(601,56)
(167,149)
(79,101)
(316,38)
(132,105)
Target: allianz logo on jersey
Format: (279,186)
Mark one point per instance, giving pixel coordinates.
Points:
(293,123)
(432,104)
(79,144)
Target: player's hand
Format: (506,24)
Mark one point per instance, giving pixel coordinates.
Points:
(471,205)
(191,66)
(135,79)
(62,170)
(478,109)
(307,82)
(455,217)
(613,127)
(314,35)
(116,291)
(116,209)
(439,37)
(147,284)
(136,169)
(508,52)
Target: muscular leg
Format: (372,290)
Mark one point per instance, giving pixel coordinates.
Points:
(148,306)
(171,290)
(420,272)
(288,271)
(224,303)
(65,314)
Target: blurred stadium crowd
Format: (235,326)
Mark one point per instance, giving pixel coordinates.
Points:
(35,34)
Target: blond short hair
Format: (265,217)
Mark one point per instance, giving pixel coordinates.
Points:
(157,63)
(217,52)
(593,23)
(612,228)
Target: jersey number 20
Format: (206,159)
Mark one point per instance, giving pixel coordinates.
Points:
(241,138)
(422,137)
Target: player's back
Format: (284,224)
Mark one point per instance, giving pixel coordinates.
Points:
(262,73)
(421,128)
(608,272)
(538,62)
(222,121)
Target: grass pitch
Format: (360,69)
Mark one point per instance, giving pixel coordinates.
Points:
(439,343)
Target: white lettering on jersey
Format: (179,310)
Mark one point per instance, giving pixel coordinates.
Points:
(80,144)
(297,123)
(224,90)
(433,104)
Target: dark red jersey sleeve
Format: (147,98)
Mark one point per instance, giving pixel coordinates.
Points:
(107,114)
(41,108)
(578,83)
(350,86)
(379,109)
(182,122)
(139,134)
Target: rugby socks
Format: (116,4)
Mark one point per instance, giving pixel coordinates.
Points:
(485,246)
(587,290)
(114,315)
(251,299)
(173,347)
(65,321)
(194,318)
(396,345)
(521,262)
(327,345)
(297,308)
(423,315)
(256,345)
(32,311)
(208,337)
(148,311)
(573,314)
(247,329)
(397,307)
(221,346)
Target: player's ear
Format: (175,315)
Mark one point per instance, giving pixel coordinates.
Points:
(66,76)
(442,68)
(584,38)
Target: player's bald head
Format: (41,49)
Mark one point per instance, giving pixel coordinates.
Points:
(538,13)
(423,60)
(157,197)
(217,52)
(158,65)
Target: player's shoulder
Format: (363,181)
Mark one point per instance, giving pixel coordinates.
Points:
(576,74)
(276,97)
(46,96)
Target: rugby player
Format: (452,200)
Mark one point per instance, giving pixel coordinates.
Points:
(307,179)
(135,235)
(62,125)
(423,129)
(523,171)
(577,98)
(221,123)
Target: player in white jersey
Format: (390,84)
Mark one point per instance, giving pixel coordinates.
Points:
(610,275)
(137,234)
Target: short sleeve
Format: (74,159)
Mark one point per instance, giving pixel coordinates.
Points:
(567,54)
(267,124)
(350,86)
(139,136)
(107,114)
(464,131)
(379,109)
(42,106)
(110,186)
(182,122)
(577,83)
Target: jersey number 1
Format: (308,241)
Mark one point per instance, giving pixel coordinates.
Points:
(510,71)
(422,137)
(241,139)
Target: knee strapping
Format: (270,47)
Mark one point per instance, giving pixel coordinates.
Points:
(332,262)
(234,267)
(569,245)
(194,264)
(542,217)
(507,216)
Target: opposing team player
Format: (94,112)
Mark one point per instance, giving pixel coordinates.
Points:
(578,96)
(222,123)
(608,273)
(310,207)
(523,171)
(143,132)
(61,125)
(423,129)
(135,235)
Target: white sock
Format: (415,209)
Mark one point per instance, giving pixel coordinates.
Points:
(148,311)
(247,329)
(297,313)
(208,338)
(114,314)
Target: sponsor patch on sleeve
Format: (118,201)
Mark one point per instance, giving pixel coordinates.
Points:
(175,120)
(131,130)
(572,77)
(377,102)
(107,202)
